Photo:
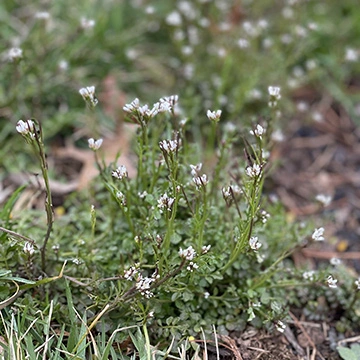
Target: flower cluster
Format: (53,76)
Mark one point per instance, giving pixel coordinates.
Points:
(143,284)
(88,94)
(14,54)
(254,243)
(214,115)
(144,113)
(253,171)
(205,249)
(28,248)
(200,181)
(132,107)
(192,266)
(274,93)
(169,146)
(131,273)
(264,216)
(195,169)
(357,283)
(325,200)
(335,261)
(318,234)
(229,192)
(87,24)
(120,172)
(331,282)
(309,275)
(121,197)
(165,202)
(169,102)
(26,128)
(258,131)
(95,144)
(280,326)
(188,254)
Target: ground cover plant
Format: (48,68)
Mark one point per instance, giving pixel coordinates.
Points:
(139,211)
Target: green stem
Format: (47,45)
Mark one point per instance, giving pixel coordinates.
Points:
(147,341)
(48,201)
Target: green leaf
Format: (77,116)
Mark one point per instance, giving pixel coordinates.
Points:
(6,211)
(349,354)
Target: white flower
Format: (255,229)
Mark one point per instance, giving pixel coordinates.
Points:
(325,200)
(200,180)
(214,115)
(278,136)
(274,92)
(254,243)
(143,284)
(300,31)
(169,102)
(87,23)
(43,15)
(192,266)
(77,261)
(264,216)
(206,295)
(88,94)
(331,282)
(318,234)
(357,283)
(95,144)
(168,146)
(120,172)
(351,55)
(226,192)
(26,127)
(236,190)
(243,43)
(149,10)
(302,106)
(205,249)
(28,248)
(132,107)
(143,194)
(259,131)
(174,19)
(251,313)
(195,169)
(165,202)
(335,261)
(280,326)
(309,275)
(260,257)
(253,171)
(63,65)
(188,253)
(14,54)
(317,116)
(130,273)
(254,94)
(121,197)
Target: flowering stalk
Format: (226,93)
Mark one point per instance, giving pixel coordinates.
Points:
(124,200)
(201,215)
(214,117)
(31,130)
(219,168)
(253,190)
(133,291)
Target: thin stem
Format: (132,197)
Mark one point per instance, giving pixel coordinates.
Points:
(48,201)
(13,233)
